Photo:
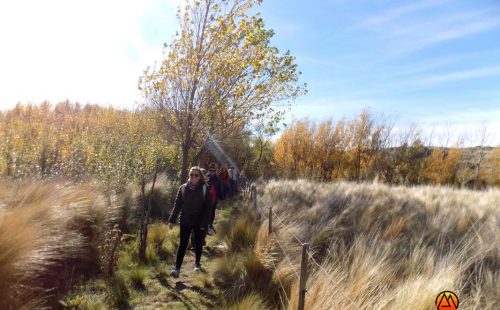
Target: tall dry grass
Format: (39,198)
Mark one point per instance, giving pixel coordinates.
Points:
(49,234)
(382,247)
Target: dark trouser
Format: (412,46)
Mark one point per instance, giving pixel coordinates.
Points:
(184,236)
(212,214)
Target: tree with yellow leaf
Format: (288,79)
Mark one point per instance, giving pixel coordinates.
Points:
(219,73)
(293,153)
(494,172)
(441,167)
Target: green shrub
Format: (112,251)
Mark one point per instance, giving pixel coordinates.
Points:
(151,255)
(242,234)
(157,234)
(137,274)
(118,293)
(202,280)
(240,273)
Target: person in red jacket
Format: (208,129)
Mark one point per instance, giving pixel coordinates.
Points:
(216,192)
(224,178)
(193,202)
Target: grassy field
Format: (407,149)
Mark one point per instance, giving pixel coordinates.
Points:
(381,247)
(372,246)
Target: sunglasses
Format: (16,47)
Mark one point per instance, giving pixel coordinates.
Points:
(194,175)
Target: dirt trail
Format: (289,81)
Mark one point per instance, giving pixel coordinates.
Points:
(192,290)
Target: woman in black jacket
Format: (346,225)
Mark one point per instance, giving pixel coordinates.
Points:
(194,205)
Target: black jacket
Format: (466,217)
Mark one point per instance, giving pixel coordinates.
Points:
(215,180)
(193,207)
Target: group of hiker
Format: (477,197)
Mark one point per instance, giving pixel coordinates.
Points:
(195,205)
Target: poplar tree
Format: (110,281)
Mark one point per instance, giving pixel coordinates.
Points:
(219,74)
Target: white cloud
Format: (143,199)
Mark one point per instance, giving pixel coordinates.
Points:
(401,11)
(426,38)
(86,51)
(437,64)
(460,75)
(418,31)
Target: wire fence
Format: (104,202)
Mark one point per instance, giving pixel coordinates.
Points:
(282,224)
(282,287)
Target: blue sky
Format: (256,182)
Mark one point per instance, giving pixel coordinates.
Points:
(431,62)
(436,63)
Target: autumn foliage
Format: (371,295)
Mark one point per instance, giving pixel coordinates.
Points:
(75,141)
(367,148)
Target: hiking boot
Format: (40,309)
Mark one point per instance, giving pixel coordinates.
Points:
(175,273)
(197,267)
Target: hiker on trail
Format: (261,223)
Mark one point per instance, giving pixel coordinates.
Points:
(204,176)
(194,205)
(236,180)
(216,193)
(230,173)
(243,180)
(224,178)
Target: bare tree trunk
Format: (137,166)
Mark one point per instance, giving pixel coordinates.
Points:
(142,245)
(199,159)
(184,168)
(146,209)
(478,167)
(43,160)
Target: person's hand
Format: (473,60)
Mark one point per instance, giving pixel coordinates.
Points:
(170,225)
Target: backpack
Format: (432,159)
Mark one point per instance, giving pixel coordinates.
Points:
(183,191)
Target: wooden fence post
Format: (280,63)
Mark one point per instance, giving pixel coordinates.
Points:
(303,276)
(270,220)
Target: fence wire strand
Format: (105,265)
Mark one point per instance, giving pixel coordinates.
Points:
(287,229)
(311,258)
(283,287)
(287,258)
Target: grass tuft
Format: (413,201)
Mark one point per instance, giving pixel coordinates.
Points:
(252,301)
(118,293)
(136,275)
(49,236)
(242,233)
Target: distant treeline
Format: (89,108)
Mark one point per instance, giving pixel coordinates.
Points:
(75,141)
(114,145)
(365,148)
